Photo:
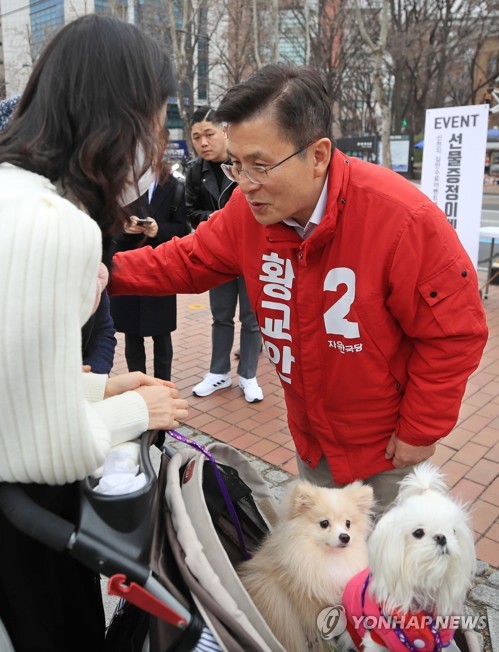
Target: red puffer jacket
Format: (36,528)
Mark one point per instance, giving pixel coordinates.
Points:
(374,323)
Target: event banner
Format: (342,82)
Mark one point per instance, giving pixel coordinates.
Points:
(455,139)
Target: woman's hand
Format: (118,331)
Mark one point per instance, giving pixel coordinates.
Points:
(126,382)
(151,228)
(166,409)
(135,228)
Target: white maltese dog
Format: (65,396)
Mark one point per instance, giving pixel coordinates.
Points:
(422,560)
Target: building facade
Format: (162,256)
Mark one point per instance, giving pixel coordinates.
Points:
(25,27)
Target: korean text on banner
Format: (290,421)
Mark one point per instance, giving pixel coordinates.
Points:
(453,167)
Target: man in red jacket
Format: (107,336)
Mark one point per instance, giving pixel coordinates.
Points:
(366,300)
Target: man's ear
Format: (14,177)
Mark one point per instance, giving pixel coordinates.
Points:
(321,154)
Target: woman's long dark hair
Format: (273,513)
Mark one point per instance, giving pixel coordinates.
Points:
(89,110)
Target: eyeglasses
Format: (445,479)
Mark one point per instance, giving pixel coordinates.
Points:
(257,174)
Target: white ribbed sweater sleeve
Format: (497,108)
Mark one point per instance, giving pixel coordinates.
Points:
(49,257)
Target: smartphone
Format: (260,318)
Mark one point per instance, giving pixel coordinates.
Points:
(143,221)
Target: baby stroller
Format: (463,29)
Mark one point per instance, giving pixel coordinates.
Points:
(170,550)
(145,543)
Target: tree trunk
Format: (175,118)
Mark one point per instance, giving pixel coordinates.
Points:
(378,49)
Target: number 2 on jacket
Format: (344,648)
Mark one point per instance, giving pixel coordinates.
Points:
(335,317)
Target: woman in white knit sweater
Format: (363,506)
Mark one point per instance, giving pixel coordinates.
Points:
(86,129)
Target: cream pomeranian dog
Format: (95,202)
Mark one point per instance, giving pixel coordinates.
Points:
(318,543)
(421,563)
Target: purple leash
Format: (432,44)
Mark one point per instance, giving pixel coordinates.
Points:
(225,494)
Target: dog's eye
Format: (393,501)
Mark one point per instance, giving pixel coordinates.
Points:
(347,523)
(418,534)
(324,524)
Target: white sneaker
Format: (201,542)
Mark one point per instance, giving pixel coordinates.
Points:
(252,390)
(212,383)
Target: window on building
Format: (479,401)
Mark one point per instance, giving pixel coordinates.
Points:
(118,8)
(46,17)
(173,119)
(291,38)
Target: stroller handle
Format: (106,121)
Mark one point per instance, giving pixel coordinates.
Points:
(113,533)
(35,521)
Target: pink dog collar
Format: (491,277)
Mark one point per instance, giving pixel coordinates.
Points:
(398,632)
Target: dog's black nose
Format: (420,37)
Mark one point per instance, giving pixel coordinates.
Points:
(440,539)
(344,538)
